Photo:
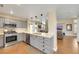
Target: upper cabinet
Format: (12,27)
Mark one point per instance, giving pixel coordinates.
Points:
(21,24)
(24,24)
(11,23)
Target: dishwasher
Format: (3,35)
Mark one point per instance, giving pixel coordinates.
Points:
(28,39)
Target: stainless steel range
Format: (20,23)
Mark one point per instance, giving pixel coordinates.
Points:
(10,36)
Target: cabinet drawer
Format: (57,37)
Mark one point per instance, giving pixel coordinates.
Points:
(47,43)
(47,40)
(44,42)
(45,50)
(46,46)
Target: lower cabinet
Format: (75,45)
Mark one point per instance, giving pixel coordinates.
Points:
(21,37)
(33,40)
(42,43)
(1,41)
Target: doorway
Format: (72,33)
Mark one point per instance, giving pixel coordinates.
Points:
(67,37)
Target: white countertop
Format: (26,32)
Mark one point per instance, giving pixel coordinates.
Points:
(19,30)
(1,34)
(47,35)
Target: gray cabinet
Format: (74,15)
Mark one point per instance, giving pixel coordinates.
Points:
(32,40)
(1,41)
(42,43)
(21,24)
(21,37)
(1,22)
(24,24)
(10,21)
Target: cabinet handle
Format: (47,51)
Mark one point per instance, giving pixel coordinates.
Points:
(43,49)
(43,46)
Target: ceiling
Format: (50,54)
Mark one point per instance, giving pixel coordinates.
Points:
(31,10)
(67,11)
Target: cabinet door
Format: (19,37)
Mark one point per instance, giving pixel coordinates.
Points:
(39,42)
(35,40)
(19,24)
(21,36)
(10,21)
(1,41)
(32,40)
(1,22)
(24,24)
(47,42)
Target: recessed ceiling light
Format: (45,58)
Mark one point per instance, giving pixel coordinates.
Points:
(11,12)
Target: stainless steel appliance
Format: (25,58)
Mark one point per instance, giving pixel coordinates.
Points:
(9,25)
(10,35)
(10,38)
(28,39)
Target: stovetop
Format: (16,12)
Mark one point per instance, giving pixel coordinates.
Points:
(10,32)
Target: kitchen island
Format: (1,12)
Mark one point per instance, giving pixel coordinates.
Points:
(44,44)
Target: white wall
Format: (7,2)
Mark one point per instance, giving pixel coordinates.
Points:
(52,23)
(64,22)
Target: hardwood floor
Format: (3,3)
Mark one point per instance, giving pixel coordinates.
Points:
(19,48)
(68,45)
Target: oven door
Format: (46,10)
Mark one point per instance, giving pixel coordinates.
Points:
(11,38)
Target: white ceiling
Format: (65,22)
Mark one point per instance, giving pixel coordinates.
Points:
(67,11)
(26,11)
